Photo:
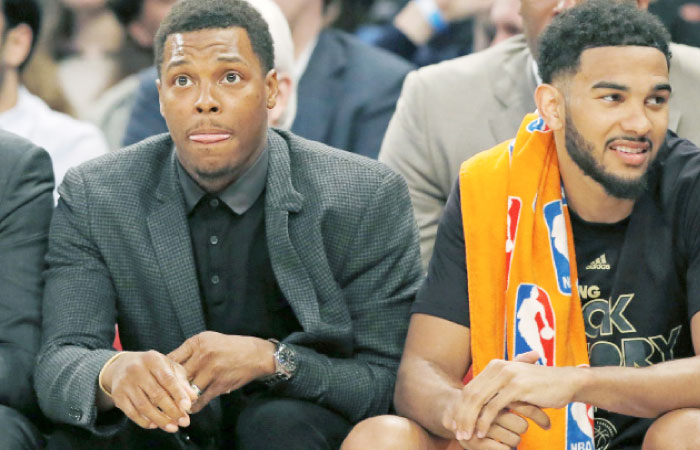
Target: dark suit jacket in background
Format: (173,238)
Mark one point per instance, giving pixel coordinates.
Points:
(343,246)
(346,96)
(26,204)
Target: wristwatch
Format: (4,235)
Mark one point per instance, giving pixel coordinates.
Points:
(285,364)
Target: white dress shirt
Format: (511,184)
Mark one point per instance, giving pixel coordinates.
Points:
(68,141)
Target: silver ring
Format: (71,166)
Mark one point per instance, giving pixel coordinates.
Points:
(196,389)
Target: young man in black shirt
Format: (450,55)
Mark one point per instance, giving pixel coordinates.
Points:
(632,196)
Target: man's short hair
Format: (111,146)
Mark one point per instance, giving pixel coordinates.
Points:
(127,11)
(17,12)
(597,23)
(195,15)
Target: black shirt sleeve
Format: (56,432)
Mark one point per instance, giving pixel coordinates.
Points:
(444,292)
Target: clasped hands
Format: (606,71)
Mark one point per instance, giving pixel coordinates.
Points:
(154,390)
(489,412)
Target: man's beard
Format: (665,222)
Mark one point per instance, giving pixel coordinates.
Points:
(581,152)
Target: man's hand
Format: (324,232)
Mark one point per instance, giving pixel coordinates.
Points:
(503,383)
(150,389)
(218,363)
(506,429)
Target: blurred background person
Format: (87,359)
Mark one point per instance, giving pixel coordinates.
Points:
(91,48)
(140,19)
(68,141)
(681,17)
(347,90)
(429,31)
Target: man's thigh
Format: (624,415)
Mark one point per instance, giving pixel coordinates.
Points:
(675,430)
(18,433)
(394,433)
(273,423)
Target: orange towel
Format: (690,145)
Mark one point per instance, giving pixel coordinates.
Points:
(522,270)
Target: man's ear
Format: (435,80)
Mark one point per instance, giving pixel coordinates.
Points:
(160,103)
(284,93)
(271,88)
(550,105)
(18,44)
(643,4)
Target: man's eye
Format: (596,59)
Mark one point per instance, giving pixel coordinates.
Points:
(182,80)
(658,100)
(232,77)
(612,97)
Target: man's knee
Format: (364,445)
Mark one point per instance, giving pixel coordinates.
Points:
(675,430)
(18,433)
(386,433)
(289,424)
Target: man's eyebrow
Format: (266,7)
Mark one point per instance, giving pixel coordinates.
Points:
(610,85)
(663,87)
(176,63)
(230,58)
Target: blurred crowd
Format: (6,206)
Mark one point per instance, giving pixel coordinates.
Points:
(95,48)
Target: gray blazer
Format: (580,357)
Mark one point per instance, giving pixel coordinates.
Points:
(26,204)
(343,246)
(450,111)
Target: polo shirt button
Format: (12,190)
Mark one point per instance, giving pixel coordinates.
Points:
(214,240)
(215,279)
(214,202)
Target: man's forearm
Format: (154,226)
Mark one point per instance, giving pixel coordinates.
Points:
(424,392)
(642,392)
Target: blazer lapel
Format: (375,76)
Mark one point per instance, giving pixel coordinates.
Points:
(171,240)
(281,201)
(514,91)
(320,87)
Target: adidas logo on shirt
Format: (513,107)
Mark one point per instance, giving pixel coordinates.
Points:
(600,263)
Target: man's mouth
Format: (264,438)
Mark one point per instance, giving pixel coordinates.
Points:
(209,137)
(632,152)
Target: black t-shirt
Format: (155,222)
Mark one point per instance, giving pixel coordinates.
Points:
(639,279)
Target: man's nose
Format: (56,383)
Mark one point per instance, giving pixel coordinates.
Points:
(207,101)
(637,121)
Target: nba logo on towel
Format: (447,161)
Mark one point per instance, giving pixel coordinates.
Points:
(513,217)
(537,125)
(534,323)
(558,244)
(579,427)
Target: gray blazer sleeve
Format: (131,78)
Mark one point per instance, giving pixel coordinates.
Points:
(380,276)
(79,313)
(26,204)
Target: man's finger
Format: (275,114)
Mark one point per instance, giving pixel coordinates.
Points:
(124,404)
(181,375)
(161,368)
(512,422)
(145,408)
(182,353)
(491,410)
(504,436)
(483,444)
(206,385)
(163,400)
(532,412)
(530,357)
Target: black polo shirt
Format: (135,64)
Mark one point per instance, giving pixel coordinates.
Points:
(237,286)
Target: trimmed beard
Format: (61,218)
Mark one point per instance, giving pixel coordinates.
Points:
(581,152)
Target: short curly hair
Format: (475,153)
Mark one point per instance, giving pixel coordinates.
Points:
(195,15)
(597,23)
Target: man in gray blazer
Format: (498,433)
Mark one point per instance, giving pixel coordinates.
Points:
(210,245)
(450,111)
(26,204)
